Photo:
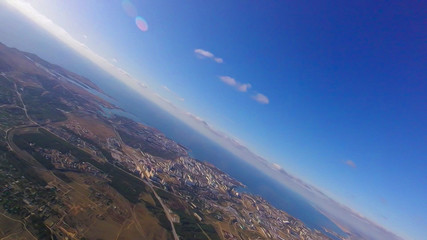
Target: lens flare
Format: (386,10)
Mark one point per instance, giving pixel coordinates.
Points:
(129,8)
(141,24)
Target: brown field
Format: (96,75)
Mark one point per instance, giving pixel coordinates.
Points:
(103,229)
(148,198)
(95,126)
(12,229)
(119,220)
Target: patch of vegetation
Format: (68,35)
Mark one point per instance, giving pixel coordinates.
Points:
(127,185)
(126,188)
(45,139)
(164,195)
(12,116)
(159,213)
(39,228)
(9,161)
(43,106)
(188,227)
(2,136)
(62,176)
(210,231)
(7,94)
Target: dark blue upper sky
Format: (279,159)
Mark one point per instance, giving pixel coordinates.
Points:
(337,92)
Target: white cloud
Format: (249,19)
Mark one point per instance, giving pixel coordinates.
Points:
(276,166)
(200,53)
(203,53)
(114,60)
(228,80)
(218,60)
(242,87)
(350,163)
(261,98)
(84,36)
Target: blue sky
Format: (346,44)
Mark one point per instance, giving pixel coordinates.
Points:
(332,91)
